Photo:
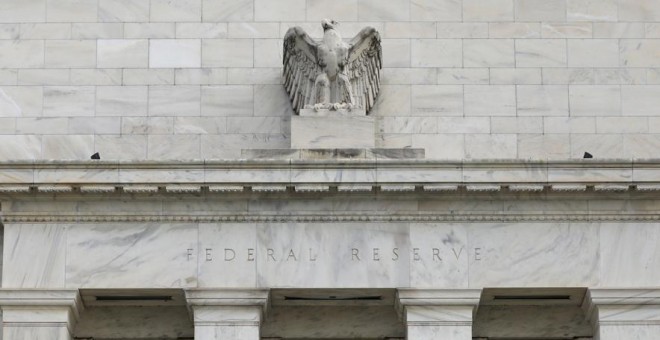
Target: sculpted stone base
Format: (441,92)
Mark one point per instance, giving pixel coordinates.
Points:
(341,112)
(325,129)
(377,153)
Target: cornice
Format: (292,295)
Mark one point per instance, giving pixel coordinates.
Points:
(341,162)
(328,176)
(362,217)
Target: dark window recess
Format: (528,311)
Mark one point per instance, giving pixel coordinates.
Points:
(134,298)
(332,298)
(532,297)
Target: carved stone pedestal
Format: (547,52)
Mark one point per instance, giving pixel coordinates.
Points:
(325,129)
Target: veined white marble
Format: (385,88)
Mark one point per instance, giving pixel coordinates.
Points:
(131,256)
(322,255)
(84,175)
(446,173)
(45,333)
(362,170)
(534,255)
(227,332)
(8,107)
(39,313)
(241,175)
(34,256)
(625,313)
(16,176)
(439,255)
(328,131)
(629,255)
(355,175)
(161,175)
(462,78)
(439,322)
(648,332)
(440,332)
(344,255)
(227,255)
(227,322)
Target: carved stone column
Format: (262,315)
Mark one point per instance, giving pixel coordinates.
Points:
(39,314)
(227,314)
(438,314)
(631,314)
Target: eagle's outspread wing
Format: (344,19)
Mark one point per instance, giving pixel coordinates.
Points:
(365,59)
(300,66)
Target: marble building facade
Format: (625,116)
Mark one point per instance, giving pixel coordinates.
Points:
(472,215)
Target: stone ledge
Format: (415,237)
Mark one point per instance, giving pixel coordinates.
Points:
(332,131)
(227,297)
(54,307)
(438,297)
(39,297)
(186,176)
(622,296)
(362,217)
(438,189)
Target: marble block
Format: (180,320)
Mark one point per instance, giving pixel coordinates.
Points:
(439,322)
(626,313)
(23,267)
(380,153)
(39,314)
(326,129)
(514,255)
(8,107)
(227,314)
(131,256)
(348,255)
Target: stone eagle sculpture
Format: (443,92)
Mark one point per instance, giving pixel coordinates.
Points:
(330,73)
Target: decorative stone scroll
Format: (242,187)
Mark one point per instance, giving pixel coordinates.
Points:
(330,74)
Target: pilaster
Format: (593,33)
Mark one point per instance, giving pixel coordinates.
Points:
(438,314)
(631,314)
(39,314)
(227,314)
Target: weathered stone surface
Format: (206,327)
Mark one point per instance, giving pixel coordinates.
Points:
(492,59)
(538,81)
(377,153)
(325,129)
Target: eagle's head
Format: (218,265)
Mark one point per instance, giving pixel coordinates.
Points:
(328,24)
